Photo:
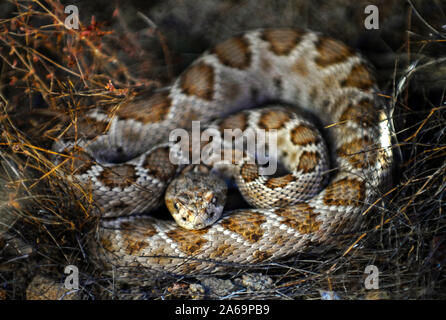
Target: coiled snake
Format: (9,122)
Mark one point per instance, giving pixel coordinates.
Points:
(127,166)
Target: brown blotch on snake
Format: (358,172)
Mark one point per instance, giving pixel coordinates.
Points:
(331,52)
(135,237)
(359,77)
(362,113)
(249,172)
(120,176)
(132,246)
(159,165)
(273,120)
(279,182)
(198,81)
(188,241)
(80,161)
(300,68)
(248,225)
(223,250)
(345,192)
(281,42)
(300,217)
(145,229)
(87,128)
(154,109)
(308,161)
(237,121)
(234,53)
(359,152)
(303,135)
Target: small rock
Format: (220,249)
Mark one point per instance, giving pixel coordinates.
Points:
(255,282)
(218,287)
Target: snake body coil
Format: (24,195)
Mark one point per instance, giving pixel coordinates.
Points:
(316,73)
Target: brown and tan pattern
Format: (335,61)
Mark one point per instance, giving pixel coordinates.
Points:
(273,120)
(345,192)
(300,68)
(234,53)
(160,256)
(261,256)
(120,176)
(134,246)
(199,81)
(158,164)
(279,182)
(300,208)
(88,128)
(249,225)
(145,229)
(303,135)
(359,152)
(359,77)
(222,251)
(83,166)
(150,110)
(237,121)
(281,41)
(331,52)
(79,162)
(108,244)
(308,161)
(362,113)
(300,217)
(189,241)
(249,172)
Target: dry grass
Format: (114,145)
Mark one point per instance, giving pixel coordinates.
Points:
(50,75)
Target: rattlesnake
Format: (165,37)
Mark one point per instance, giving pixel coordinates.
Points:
(125,159)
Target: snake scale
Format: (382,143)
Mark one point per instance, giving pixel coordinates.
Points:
(126,160)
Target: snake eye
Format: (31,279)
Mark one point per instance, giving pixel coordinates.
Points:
(176,206)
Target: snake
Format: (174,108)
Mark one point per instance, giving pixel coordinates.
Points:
(317,95)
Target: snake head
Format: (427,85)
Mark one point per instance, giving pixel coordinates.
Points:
(196,199)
